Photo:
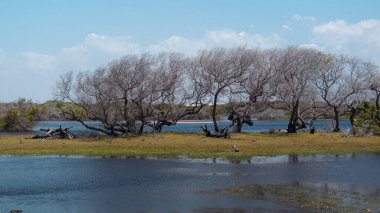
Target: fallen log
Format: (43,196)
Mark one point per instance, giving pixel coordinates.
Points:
(60,133)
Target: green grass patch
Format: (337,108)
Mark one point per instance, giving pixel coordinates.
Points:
(196,145)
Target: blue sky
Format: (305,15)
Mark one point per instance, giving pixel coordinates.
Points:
(39,40)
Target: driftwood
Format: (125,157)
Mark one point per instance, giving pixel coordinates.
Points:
(278,131)
(60,133)
(223,133)
(234,148)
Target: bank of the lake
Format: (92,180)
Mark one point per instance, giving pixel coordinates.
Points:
(196,145)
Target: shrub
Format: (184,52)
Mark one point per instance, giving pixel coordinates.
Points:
(366,121)
(20,117)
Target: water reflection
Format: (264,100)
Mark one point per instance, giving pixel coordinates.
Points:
(293,159)
(96,184)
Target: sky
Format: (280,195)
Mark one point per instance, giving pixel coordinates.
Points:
(43,39)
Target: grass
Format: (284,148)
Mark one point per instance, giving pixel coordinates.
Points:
(196,145)
(311,198)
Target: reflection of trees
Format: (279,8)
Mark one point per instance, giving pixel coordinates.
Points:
(293,158)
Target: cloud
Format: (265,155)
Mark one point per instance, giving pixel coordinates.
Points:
(40,62)
(215,38)
(2,55)
(297,17)
(111,45)
(360,39)
(96,50)
(286,27)
(312,46)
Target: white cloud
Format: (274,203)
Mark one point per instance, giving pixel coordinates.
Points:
(40,63)
(360,39)
(112,45)
(286,27)
(96,50)
(2,54)
(217,38)
(2,57)
(312,46)
(297,17)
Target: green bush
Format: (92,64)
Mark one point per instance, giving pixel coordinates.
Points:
(21,117)
(366,121)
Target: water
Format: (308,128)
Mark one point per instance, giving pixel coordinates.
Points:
(259,126)
(82,184)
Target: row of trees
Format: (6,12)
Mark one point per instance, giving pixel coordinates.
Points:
(157,90)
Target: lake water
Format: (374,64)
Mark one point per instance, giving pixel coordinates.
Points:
(259,126)
(82,184)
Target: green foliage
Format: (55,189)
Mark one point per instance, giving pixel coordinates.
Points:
(20,117)
(366,121)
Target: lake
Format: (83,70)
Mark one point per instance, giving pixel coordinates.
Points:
(259,126)
(96,184)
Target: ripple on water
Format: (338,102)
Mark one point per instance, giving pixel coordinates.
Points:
(88,184)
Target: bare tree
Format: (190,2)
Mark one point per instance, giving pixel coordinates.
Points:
(296,69)
(339,78)
(255,86)
(219,69)
(92,98)
(375,87)
(132,92)
(180,93)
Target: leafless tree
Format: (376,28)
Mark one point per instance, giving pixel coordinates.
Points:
(296,69)
(219,70)
(339,78)
(180,92)
(132,92)
(137,91)
(92,98)
(255,86)
(375,87)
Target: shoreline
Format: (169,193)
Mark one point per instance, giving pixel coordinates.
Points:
(194,145)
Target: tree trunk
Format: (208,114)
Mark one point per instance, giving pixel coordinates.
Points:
(352,119)
(141,129)
(292,124)
(239,126)
(336,118)
(377,105)
(213,114)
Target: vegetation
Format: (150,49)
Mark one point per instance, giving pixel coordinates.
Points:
(21,117)
(158,90)
(311,198)
(196,145)
(367,121)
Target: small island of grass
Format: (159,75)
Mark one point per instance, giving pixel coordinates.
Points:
(194,145)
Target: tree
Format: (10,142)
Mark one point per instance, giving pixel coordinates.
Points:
(339,78)
(255,86)
(220,69)
(21,116)
(366,121)
(130,93)
(296,68)
(375,87)
(179,95)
